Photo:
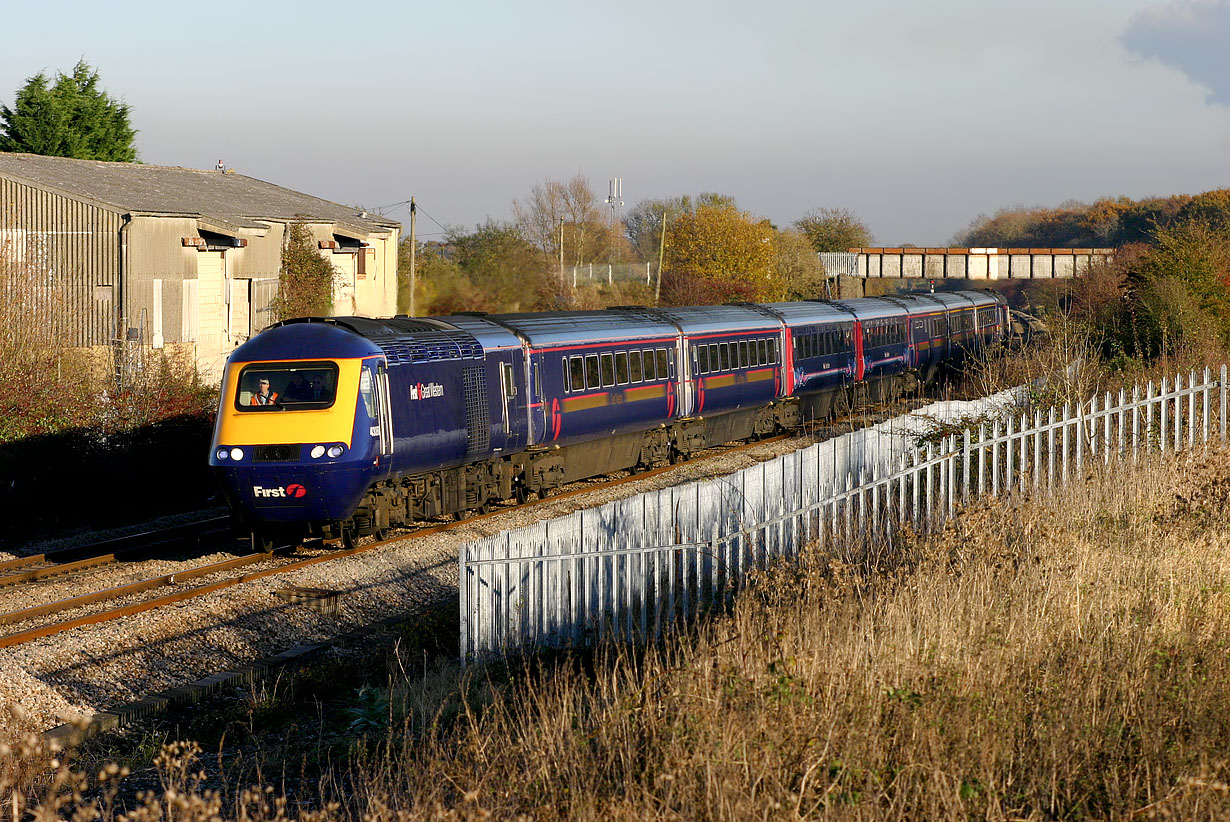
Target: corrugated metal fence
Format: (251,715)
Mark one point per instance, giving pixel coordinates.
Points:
(633,568)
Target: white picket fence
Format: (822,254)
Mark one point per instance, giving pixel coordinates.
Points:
(632,569)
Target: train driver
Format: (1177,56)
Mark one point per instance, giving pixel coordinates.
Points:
(264,395)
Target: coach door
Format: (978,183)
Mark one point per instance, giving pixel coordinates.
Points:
(384,418)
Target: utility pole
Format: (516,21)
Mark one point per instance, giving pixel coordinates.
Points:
(657,289)
(561,255)
(413,242)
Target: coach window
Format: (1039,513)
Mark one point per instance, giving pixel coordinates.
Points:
(753,353)
(634,365)
(593,378)
(663,367)
(743,361)
(702,352)
(567,384)
(651,373)
(577,367)
(621,368)
(608,370)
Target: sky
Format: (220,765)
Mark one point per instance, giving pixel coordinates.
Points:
(918,117)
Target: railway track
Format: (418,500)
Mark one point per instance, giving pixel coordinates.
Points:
(280,561)
(108,552)
(239,570)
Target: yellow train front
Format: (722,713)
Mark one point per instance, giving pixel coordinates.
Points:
(299,440)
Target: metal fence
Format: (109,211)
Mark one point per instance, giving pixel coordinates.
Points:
(631,569)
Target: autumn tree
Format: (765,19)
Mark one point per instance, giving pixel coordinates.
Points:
(718,254)
(305,283)
(70,117)
(643,222)
(799,270)
(834,229)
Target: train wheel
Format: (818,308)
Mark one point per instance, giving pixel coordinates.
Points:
(349,538)
(543,493)
(261,543)
(520,493)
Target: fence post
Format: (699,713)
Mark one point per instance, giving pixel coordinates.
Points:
(930,457)
(1009,453)
(1191,410)
(1223,390)
(1178,412)
(1135,422)
(1037,449)
(995,458)
(1149,417)
(982,458)
(463,597)
(1080,441)
(952,475)
(1164,438)
(965,467)
(1050,451)
(1204,407)
(1067,416)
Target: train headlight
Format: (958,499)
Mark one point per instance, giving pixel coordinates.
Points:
(336,451)
(222,453)
(318,451)
(236,453)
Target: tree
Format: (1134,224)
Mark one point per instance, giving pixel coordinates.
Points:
(719,254)
(305,284)
(643,223)
(799,270)
(504,267)
(834,229)
(71,118)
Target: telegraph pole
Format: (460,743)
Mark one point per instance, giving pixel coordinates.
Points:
(657,289)
(413,242)
(561,255)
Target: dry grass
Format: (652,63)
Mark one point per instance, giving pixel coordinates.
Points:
(1035,660)
(1030,662)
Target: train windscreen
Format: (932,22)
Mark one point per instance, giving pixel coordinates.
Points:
(286,386)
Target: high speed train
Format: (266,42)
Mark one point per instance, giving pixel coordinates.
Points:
(344,426)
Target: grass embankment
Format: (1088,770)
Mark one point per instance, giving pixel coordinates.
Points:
(1035,660)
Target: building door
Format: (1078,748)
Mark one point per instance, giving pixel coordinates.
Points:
(212,314)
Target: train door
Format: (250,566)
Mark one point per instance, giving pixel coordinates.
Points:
(684,377)
(374,392)
(508,394)
(535,405)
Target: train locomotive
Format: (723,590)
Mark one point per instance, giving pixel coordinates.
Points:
(346,426)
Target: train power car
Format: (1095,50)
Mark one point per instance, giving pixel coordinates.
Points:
(345,426)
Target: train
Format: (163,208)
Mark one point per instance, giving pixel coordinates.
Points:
(342,427)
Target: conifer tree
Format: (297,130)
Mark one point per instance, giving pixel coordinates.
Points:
(71,117)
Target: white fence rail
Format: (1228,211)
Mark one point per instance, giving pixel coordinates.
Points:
(631,569)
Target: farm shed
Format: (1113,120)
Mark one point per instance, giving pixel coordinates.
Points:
(176,256)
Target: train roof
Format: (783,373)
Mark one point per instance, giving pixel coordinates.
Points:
(696,320)
(871,308)
(291,340)
(553,328)
(808,313)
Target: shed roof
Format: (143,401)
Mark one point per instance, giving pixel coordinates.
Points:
(225,200)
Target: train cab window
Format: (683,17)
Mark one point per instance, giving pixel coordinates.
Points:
(651,372)
(576,367)
(702,353)
(295,386)
(621,368)
(634,366)
(663,364)
(593,376)
(608,370)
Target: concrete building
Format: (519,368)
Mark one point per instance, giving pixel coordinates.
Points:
(177,256)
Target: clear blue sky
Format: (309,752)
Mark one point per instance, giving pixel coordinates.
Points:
(918,116)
